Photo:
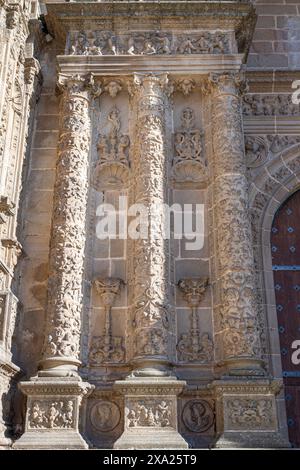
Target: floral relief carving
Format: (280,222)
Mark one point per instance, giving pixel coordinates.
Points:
(149,413)
(148,43)
(48,414)
(112,167)
(189,163)
(244,413)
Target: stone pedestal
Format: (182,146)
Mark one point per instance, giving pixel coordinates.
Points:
(150,414)
(246,414)
(52,416)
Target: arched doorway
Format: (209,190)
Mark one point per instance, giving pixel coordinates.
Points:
(285,247)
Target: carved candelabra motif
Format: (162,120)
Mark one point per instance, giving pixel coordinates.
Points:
(189,163)
(194,346)
(112,166)
(107,348)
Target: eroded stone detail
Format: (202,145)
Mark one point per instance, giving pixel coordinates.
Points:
(149,412)
(48,414)
(148,43)
(105,415)
(189,163)
(243,413)
(270,105)
(112,168)
(107,348)
(256,151)
(198,416)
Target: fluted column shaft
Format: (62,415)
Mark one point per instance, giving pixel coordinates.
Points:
(238,335)
(65,290)
(150,260)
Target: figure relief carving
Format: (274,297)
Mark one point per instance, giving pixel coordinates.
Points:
(149,412)
(113,87)
(270,105)
(112,167)
(105,415)
(244,413)
(198,415)
(256,151)
(148,43)
(189,163)
(278,143)
(107,348)
(194,346)
(48,414)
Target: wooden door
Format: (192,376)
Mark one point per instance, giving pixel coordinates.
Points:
(285,246)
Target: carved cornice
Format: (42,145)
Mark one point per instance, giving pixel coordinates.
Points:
(57,387)
(255,386)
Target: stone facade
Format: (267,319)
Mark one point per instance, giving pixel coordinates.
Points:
(142,342)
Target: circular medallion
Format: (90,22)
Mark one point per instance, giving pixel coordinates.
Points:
(105,415)
(197,415)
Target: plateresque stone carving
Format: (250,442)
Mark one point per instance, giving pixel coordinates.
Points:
(107,348)
(269,105)
(105,415)
(112,167)
(147,412)
(148,43)
(189,163)
(194,346)
(198,416)
(51,414)
(256,151)
(246,413)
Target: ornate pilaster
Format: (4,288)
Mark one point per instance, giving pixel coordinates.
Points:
(151,390)
(57,396)
(238,336)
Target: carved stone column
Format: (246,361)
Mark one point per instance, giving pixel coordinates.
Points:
(55,396)
(151,390)
(237,324)
(246,409)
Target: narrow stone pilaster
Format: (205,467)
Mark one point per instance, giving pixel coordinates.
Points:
(237,335)
(150,392)
(54,396)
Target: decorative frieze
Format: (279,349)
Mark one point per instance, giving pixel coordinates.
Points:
(149,412)
(250,413)
(270,105)
(148,43)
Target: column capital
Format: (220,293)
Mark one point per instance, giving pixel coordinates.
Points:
(227,83)
(108,288)
(150,83)
(77,84)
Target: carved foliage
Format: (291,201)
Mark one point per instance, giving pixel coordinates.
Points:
(48,414)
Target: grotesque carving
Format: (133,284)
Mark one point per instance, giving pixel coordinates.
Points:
(47,414)
(186,85)
(113,88)
(149,412)
(193,346)
(198,415)
(256,151)
(107,348)
(244,413)
(148,43)
(112,168)
(105,415)
(189,163)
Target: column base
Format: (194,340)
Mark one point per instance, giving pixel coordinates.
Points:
(150,414)
(252,440)
(52,416)
(246,414)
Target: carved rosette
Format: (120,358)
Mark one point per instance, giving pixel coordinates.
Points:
(149,267)
(68,228)
(238,333)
